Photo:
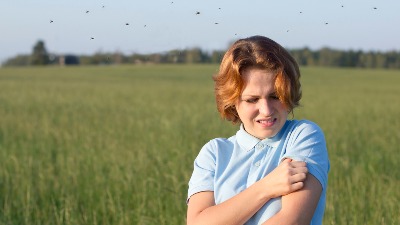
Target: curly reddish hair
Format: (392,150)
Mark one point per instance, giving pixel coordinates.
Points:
(255,52)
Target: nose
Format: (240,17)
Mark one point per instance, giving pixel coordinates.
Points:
(265,107)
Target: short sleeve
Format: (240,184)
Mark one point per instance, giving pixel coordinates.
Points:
(202,178)
(307,143)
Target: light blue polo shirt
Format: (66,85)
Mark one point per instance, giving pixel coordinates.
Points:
(228,166)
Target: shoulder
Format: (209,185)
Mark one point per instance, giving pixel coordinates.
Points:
(304,129)
(308,126)
(306,142)
(305,134)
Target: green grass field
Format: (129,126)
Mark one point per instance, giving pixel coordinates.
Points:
(115,145)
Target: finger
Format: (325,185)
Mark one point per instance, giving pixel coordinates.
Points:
(287,160)
(296,170)
(298,163)
(297,186)
(298,177)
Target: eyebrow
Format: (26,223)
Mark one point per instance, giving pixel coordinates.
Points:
(253,95)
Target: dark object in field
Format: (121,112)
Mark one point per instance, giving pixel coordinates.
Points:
(71,60)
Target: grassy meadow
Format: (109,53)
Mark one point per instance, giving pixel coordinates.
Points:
(116,144)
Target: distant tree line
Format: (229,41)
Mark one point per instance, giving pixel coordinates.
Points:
(337,58)
(326,57)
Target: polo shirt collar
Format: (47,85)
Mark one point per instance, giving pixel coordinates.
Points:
(248,141)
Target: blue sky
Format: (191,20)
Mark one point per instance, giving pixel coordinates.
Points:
(161,25)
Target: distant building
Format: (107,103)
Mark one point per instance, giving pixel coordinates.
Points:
(65,60)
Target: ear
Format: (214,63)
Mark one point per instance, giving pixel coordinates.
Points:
(234,111)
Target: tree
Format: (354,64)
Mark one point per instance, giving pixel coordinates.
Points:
(194,55)
(39,54)
(19,60)
(216,56)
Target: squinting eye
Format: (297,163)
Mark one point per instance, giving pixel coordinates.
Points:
(252,100)
(275,97)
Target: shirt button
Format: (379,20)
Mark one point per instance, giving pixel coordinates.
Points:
(260,146)
(257,164)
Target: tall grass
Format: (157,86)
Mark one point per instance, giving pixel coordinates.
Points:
(115,145)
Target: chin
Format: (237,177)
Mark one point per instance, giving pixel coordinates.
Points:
(263,136)
(267,135)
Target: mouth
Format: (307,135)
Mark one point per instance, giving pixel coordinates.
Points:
(267,122)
